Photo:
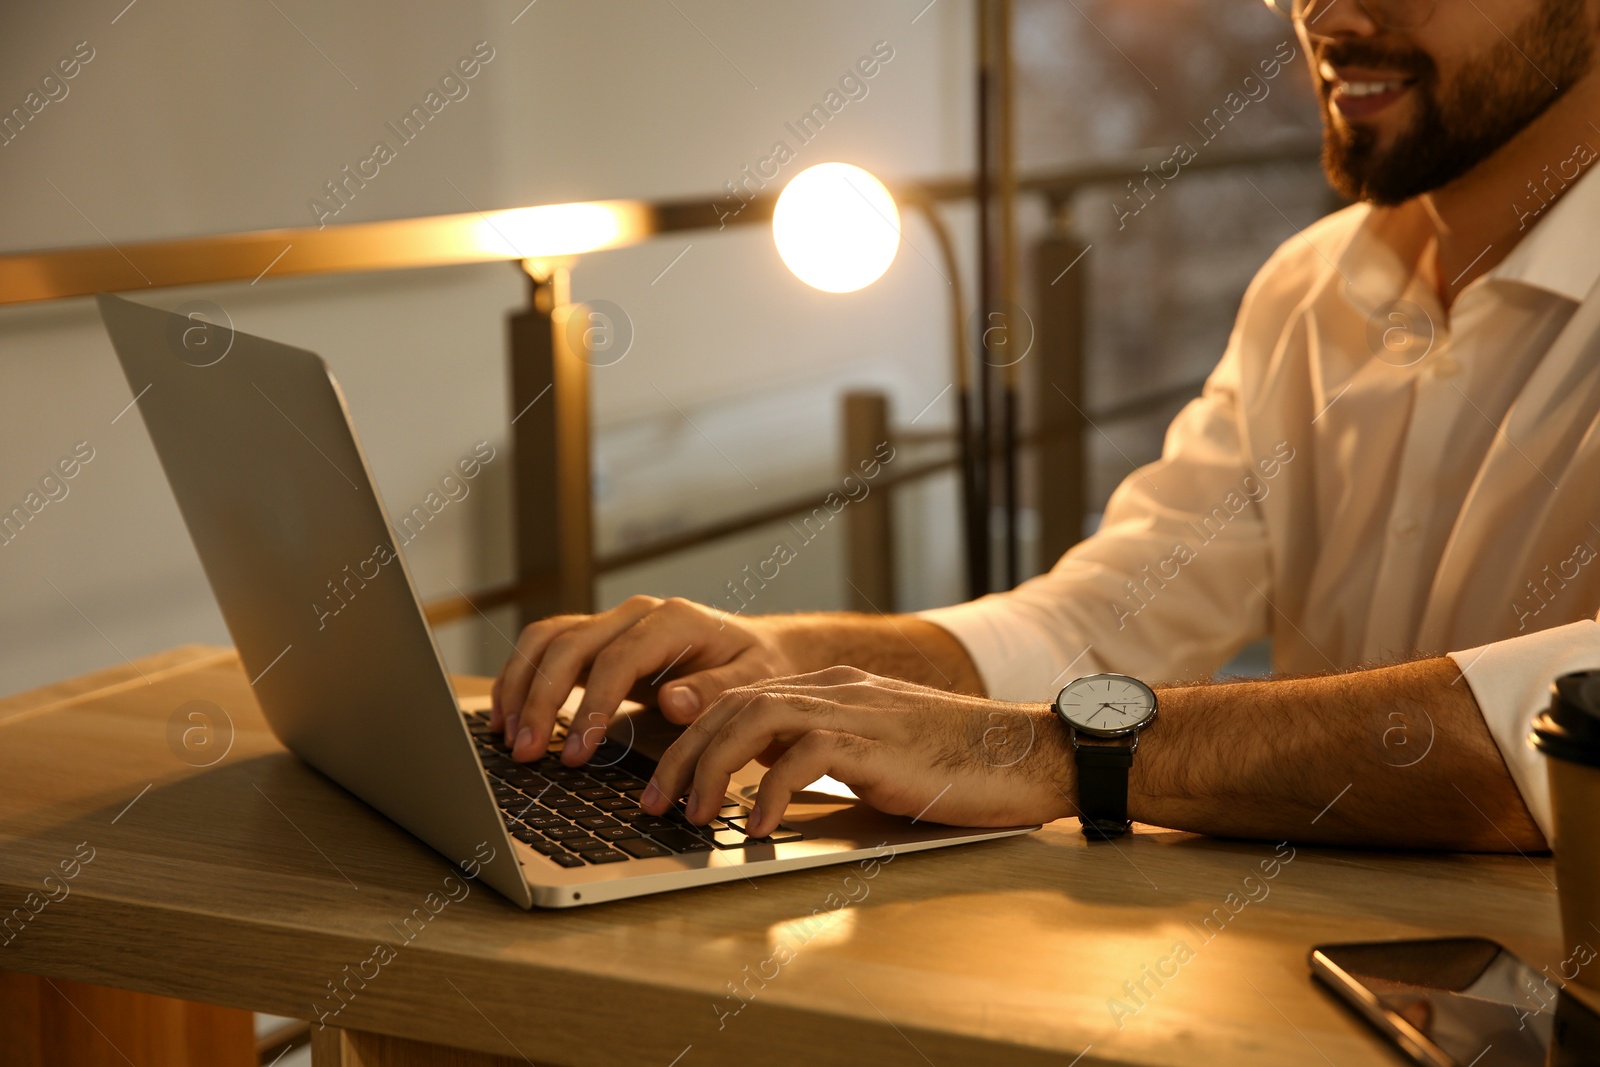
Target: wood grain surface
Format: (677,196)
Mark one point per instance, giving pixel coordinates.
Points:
(257,883)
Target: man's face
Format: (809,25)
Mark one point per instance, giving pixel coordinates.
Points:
(1406,111)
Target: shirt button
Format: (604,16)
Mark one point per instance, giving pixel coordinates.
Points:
(1405,527)
(1445,368)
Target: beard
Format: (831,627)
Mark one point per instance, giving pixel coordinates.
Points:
(1459,125)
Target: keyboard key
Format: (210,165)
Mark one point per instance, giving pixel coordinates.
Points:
(594,793)
(541,821)
(785,833)
(572,813)
(681,840)
(651,823)
(564,832)
(606,774)
(522,777)
(615,833)
(596,822)
(626,784)
(730,808)
(616,805)
(610,855)
(525,834)
(548,848)
(735,839)
(567,859)
(583,844)
(640,849)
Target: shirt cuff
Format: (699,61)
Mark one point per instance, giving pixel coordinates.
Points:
(1018,662)
(1511,682)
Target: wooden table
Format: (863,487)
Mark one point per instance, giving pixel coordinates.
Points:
(254,883)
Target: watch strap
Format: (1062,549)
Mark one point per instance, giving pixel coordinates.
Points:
(1103,789)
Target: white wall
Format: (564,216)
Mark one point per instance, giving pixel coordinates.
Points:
(193,119)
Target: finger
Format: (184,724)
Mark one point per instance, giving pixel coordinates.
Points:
(765,721)
(651,647)
(496,718)
(848,757)
(557,668)
(520,667)
(683,699)
(676,766)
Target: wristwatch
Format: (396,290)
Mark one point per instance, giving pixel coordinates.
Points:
(1104,713)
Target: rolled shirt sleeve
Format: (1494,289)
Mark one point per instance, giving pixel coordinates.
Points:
(1179,576)
(1511,682)
(1164,590)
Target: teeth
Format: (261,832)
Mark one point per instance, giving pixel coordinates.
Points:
(1368,88)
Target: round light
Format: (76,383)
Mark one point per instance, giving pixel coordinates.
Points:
(836,227)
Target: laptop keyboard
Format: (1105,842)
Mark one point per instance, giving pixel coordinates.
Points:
(591,814)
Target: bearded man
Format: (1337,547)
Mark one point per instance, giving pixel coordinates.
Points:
(1393,473)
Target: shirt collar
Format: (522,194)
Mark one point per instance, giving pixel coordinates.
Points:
(1560,253)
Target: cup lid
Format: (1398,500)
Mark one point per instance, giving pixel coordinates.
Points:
(1570,729)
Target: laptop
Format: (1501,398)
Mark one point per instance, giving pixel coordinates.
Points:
(272,483)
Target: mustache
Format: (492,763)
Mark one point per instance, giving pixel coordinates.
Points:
(1409,61)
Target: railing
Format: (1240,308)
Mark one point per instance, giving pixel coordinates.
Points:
(557,564)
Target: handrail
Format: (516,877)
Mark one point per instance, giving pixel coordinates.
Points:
(472,237)
(478,237)
(449,609)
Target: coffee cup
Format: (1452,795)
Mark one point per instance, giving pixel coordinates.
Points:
(1569,736)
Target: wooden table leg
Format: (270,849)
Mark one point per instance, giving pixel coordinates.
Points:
(46,1021)
(333,1047)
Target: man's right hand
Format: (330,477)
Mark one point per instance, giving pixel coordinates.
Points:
(677,653)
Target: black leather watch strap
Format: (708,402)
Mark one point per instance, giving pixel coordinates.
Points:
(1103,789)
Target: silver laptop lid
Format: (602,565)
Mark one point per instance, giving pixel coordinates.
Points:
(259,449)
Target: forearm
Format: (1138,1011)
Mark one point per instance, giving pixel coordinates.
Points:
(892,646)
(1398,756)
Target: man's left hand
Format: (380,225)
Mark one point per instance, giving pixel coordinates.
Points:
(902,748)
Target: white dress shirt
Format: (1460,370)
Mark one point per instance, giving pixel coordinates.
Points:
(1363,482)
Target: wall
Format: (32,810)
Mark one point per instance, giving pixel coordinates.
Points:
(192,119)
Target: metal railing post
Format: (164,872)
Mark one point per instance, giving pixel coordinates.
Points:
(869,522)
(1061,273)
(550,447)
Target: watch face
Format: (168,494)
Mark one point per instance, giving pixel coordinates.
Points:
(1107,705)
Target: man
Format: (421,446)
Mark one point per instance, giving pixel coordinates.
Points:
(1429,504)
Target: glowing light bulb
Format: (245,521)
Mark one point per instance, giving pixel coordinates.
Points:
(836,227)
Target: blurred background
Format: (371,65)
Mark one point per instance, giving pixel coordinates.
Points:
(192,120)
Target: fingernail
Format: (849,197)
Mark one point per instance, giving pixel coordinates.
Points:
(682,700)
(754,821)
(692,803)
(651,795)
(524,737)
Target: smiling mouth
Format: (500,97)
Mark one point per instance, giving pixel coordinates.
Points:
(1361,95)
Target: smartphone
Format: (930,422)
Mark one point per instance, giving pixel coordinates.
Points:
(1463,1002)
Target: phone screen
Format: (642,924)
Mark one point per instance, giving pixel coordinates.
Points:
(1471,1000)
